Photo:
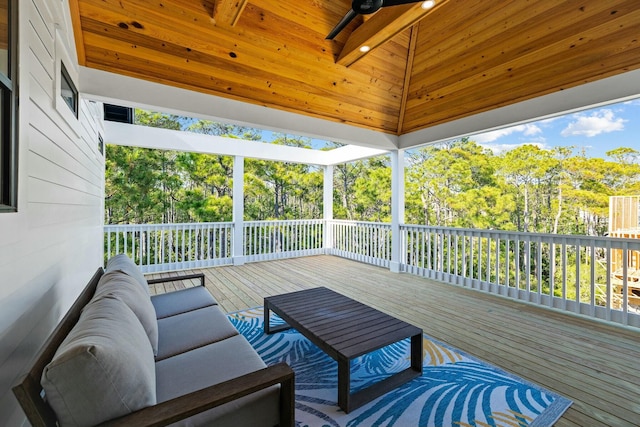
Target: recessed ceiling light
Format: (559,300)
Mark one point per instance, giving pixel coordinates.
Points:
(364,49)
(428,4)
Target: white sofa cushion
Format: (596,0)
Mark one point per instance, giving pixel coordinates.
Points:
(103,369)
(126,288)
(122,262)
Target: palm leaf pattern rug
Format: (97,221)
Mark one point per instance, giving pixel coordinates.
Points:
(454,390)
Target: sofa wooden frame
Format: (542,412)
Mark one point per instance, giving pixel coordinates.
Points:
(31,397)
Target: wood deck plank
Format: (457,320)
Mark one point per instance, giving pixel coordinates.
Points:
(593,363)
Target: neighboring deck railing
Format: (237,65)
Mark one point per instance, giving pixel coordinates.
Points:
(570,273)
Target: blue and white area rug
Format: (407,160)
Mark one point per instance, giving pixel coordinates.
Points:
(454,390)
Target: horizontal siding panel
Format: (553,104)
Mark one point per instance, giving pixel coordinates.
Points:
(40,74)
(44,149)
(41,34)
(46,170)
(42,146)
(45,57)
(44,132)
(41,18)
(49,215)
(50,192)
(89,129)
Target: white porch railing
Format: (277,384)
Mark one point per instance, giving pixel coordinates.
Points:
(581,274)
(368,242)
(267,240)
(165,247)
(592,276)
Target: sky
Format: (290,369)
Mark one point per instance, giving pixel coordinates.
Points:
(590,132)
(594,131)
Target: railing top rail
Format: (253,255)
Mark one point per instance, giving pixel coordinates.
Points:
(520,235)
(571,239)
(368,223)
(285,221)
(115,227)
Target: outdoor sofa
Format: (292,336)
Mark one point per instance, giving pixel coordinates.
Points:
(123,357)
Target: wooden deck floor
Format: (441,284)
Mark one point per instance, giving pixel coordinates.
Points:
(594,364)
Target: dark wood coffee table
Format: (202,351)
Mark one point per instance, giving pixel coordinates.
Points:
(345,329)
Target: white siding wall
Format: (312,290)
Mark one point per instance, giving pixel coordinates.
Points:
(52,246)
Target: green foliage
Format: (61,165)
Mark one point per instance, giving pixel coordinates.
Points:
(155,186)
(526,189)
(457,184)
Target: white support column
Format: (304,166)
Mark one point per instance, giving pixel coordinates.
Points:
(327,203)
(238,210)
(397,208)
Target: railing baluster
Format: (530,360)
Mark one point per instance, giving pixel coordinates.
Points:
(516,256)
(480,258)
(609,289)
(507,260)
(625,284)
(564,274)
(148,245)
(553,265)
(109,254)
(592,281)
(497,265)
(578,287)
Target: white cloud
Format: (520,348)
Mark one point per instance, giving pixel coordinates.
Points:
(527,130)
(601,121)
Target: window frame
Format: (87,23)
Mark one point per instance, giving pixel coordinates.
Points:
(65,78)
(9,118)
(63,61)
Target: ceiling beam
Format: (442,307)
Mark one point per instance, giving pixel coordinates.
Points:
(407,76)
(380,28)
(117,89)
(227,12)
(169,139)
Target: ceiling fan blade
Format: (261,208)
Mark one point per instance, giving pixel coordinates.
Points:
(386,3)
(343,23)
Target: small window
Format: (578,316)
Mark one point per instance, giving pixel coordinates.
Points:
(68,90)
(8,106)
(67,100)
(117,113)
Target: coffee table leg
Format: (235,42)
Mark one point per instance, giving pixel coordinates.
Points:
(344,383)
(416,353)
(267,329)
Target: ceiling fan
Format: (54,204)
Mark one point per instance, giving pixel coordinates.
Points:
(364,7)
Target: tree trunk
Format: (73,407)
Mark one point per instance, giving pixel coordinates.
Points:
(525,214)
(557,219)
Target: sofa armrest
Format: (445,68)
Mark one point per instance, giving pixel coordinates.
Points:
(178,278)
(199,401)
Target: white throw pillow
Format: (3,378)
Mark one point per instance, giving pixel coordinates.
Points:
(103,369)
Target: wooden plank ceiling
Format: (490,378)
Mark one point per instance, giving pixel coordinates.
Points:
(426,67)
